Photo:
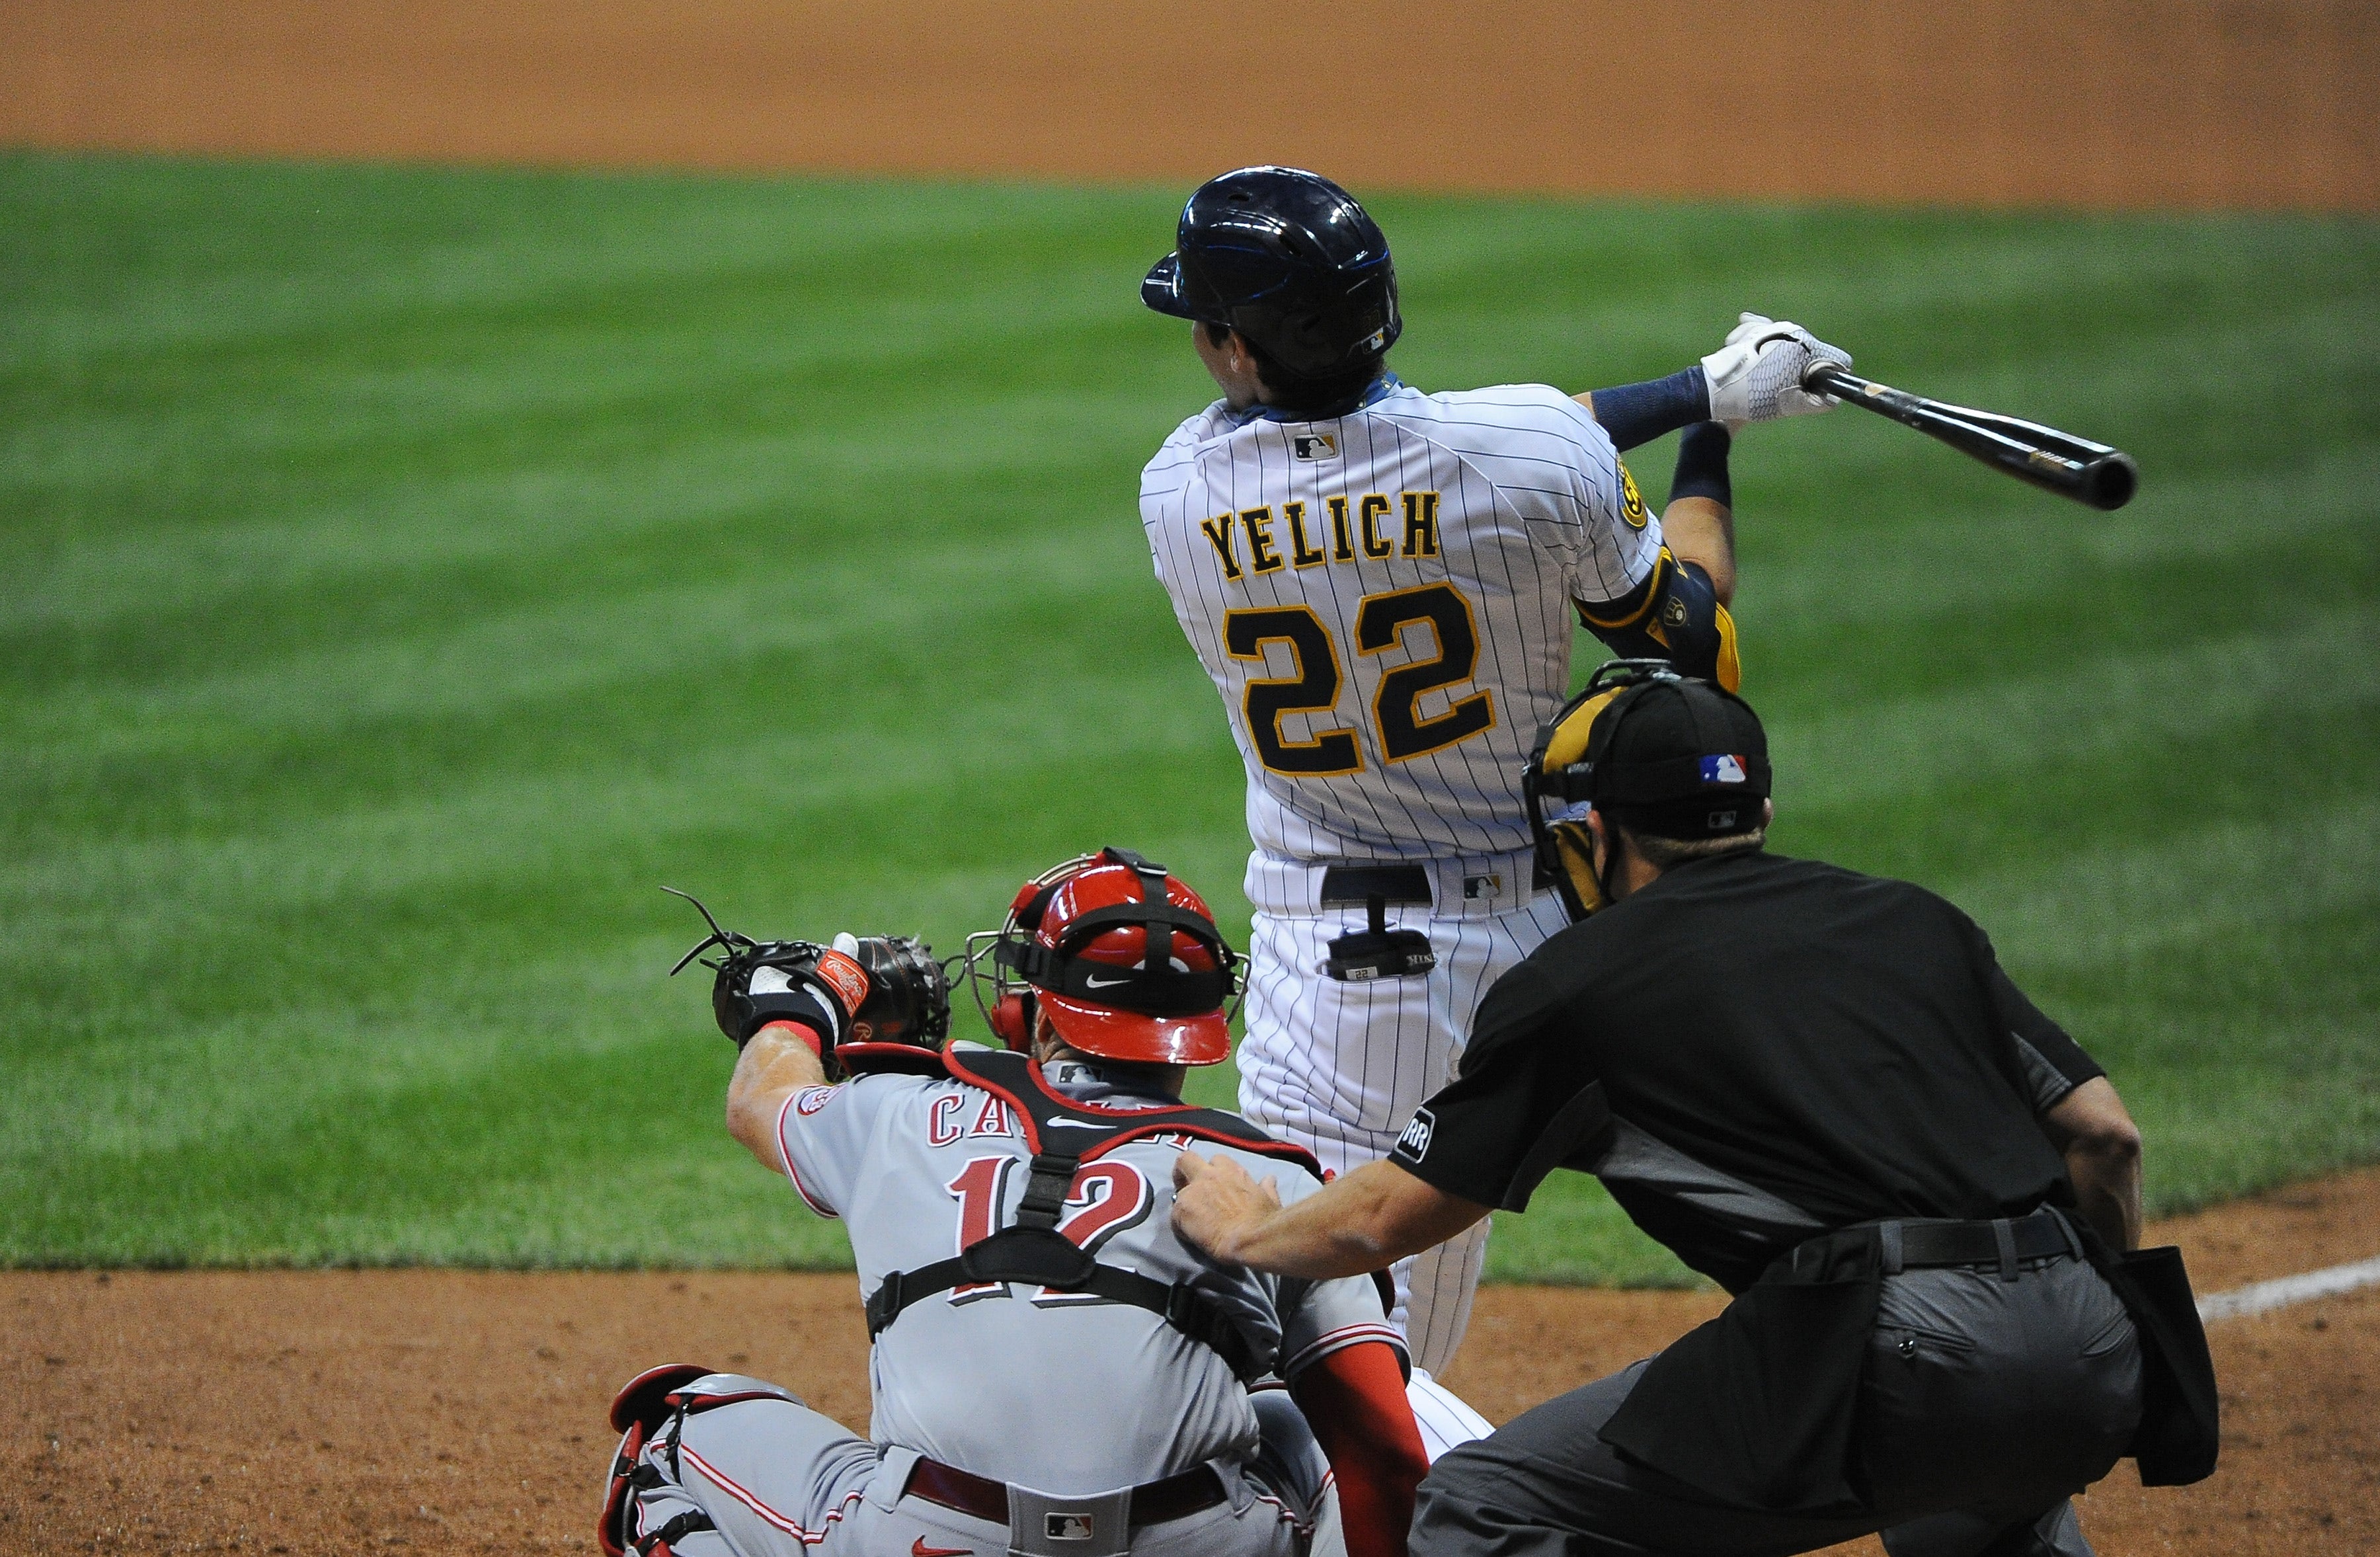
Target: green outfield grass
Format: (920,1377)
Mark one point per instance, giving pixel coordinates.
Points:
(410,571)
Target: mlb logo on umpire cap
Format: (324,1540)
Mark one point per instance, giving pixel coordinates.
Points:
(1727,768)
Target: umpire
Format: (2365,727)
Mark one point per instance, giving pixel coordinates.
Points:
(1818,1089)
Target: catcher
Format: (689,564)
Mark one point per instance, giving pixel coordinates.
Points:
(1054,1372)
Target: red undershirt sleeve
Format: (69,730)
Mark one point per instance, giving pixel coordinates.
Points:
(1354,1399)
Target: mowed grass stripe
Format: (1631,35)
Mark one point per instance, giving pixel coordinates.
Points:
(413,569)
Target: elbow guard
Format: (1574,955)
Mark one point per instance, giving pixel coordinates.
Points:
(1675,616)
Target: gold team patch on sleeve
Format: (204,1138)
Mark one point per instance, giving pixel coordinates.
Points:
(1632,502)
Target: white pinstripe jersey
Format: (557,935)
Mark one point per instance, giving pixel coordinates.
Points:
(1383,601)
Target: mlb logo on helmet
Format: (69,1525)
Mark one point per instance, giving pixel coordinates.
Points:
(1725,768)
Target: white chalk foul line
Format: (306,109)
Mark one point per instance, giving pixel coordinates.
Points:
(2263,1297)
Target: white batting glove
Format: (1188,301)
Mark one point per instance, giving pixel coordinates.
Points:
(1757,376)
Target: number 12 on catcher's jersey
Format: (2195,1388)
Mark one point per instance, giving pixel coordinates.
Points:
(1313,688)
(1107,1197)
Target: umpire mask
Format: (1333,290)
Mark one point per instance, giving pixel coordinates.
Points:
(1662,754)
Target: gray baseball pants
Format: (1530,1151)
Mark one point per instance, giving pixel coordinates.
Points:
(777,1479)
(1986,1403)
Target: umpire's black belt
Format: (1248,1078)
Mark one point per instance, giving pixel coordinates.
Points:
(1153,1503)
(1908,1246)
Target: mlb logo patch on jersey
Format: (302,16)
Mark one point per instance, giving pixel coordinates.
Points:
(1315,445)
(1726,768)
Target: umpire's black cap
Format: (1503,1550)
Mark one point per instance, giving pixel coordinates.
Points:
(1681,759)
(1289,260)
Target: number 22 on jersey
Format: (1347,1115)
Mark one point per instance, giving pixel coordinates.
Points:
(1107,1197)
(1313,686)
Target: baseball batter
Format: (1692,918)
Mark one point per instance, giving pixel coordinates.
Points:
(1382,584)
(1053,1370)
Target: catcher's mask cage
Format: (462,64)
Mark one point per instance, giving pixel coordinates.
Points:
(1114,964)
(1568,775)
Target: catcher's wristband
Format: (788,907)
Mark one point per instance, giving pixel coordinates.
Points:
(799,1004)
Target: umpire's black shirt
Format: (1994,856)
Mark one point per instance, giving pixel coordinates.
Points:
(1752,1050)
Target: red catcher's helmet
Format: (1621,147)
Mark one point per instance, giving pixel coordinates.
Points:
(1125,959)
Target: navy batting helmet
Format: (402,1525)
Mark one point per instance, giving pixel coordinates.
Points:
(1289,260)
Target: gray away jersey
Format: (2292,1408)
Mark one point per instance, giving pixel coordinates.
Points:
(1058,1391)
(1383,601)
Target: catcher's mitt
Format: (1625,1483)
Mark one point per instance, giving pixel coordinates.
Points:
(877,1002)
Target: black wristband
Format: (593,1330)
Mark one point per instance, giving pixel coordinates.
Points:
(1638,413)
(799,1003)
(1702,465)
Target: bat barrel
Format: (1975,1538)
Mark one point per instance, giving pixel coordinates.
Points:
(2108,482)
(2090,473)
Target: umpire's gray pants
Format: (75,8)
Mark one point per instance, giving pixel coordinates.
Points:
(772,1478)
(1986,1403)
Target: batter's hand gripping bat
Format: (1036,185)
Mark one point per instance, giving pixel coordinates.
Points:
(2071,466)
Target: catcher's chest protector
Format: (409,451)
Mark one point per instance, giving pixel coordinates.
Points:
(1033,1250)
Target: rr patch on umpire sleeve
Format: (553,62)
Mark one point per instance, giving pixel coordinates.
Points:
(1415,1142)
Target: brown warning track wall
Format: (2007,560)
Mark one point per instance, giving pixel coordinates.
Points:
(2125,103)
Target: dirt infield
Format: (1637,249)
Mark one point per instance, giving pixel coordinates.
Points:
(2076,102)
(460,1412)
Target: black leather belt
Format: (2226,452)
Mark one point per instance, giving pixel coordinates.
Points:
(1343,884)
(1917,1245)
(1153,1503)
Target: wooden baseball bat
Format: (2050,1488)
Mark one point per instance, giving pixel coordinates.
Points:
(2071,466)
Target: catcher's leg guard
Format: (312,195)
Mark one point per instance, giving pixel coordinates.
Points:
(651,1408)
